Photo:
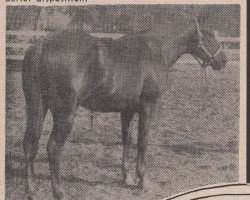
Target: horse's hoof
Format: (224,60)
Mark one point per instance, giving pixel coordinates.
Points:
(129,180)
(58,195)
(64,198)
(31,197)
(133,182)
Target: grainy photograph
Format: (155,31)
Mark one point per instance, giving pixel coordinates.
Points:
(109,102)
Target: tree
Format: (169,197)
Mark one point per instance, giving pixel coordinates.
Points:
(22,17)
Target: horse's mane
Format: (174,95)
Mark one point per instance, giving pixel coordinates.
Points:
(208,32)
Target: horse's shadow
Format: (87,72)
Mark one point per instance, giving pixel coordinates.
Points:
(19,172)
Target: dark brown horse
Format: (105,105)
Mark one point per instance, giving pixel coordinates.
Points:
(71,69)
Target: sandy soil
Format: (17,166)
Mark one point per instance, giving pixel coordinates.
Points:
(192,142)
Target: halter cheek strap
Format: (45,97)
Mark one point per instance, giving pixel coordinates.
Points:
(207,52)
(201,45)
(218,51)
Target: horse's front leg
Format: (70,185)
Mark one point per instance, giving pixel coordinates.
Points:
(126,118)
(145,117)
(63,123)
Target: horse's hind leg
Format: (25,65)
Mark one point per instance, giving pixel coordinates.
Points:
(36,112)
(126,117)
(63,123)
(145,116)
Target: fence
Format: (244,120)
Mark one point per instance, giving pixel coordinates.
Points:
(36,34)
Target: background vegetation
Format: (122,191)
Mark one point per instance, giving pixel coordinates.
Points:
(121,18)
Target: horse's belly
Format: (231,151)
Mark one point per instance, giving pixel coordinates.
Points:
(118,90)
(109,103)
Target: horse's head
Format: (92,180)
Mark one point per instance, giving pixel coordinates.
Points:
(204,46)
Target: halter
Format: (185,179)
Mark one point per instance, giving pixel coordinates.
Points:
(201,45)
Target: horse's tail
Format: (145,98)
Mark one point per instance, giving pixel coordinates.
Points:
(31,81)
(37,80)
(30,68)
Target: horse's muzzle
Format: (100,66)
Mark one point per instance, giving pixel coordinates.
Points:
(219,62)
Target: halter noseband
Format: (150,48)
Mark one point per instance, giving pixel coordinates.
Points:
(201,45)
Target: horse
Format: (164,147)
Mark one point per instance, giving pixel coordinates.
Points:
(72,68)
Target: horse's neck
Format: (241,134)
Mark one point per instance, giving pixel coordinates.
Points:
(173,56)
(177,48)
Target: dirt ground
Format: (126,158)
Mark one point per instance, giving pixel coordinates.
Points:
(193,142)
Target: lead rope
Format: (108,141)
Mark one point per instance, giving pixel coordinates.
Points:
(91,120)
(205,77)
(204,72)
(203,65)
